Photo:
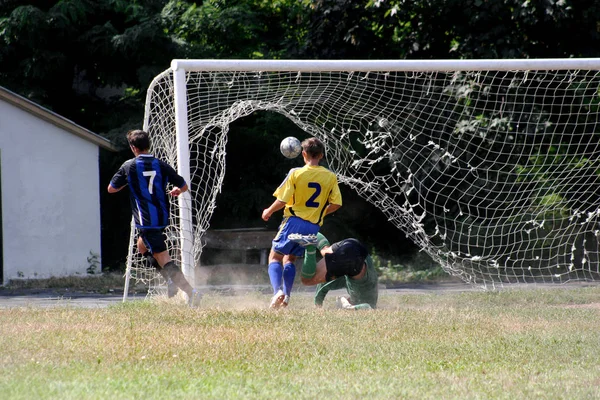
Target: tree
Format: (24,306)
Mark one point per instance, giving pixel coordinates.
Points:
(84,58)
(237,28)
(340,29)
(491,28)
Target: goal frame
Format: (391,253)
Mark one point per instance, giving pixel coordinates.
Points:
(179,68)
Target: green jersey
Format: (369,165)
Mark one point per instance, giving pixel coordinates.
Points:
(364,290)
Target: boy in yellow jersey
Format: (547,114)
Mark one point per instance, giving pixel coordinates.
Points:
(307,195)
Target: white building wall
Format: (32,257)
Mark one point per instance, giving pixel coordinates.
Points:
(50,198)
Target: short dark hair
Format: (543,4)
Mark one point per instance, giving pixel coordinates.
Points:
(313,147)
(139,139)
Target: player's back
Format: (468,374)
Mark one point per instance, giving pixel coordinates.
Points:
(364,290)
(307,191)
(148,178)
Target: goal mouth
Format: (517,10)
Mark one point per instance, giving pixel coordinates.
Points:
(490,166)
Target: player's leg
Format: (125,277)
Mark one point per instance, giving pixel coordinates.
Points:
(309,264)
(283,246)
(320,270)
(154,240)
(289,274)
(173,271)
(312,272)
(276,277)
(279,248)
(171,287)
(176,275)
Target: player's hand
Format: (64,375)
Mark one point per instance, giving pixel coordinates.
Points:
(175,192)
(266,214)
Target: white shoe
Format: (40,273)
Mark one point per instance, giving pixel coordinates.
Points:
(303,240)
(342,302)
(277,299)
(285,302)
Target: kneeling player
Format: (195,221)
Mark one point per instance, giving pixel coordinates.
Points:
(345,265)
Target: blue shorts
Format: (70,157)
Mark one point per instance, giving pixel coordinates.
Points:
(282,245)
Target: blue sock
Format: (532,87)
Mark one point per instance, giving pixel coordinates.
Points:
(275,274)
(289,273)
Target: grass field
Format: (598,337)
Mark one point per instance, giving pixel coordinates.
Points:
(513,344)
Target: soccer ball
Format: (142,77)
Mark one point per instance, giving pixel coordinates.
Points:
(290,147)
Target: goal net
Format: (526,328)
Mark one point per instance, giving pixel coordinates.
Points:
(490,166)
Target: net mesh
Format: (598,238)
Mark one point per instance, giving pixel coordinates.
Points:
(494,174)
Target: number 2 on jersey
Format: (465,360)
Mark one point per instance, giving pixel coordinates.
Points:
(311,201)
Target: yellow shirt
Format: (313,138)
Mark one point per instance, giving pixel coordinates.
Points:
(307,191)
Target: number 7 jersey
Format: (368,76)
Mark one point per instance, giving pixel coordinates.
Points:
(307,191)
(148,178)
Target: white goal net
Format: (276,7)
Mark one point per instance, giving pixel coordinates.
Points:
(492,167)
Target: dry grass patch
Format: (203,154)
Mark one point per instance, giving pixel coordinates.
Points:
(467,345)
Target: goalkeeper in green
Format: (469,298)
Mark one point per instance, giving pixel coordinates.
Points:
(345,265)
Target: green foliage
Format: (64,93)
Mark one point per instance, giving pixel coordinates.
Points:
(490,29)
(93,261)
(411,267)
(74,56)
(338,29)
(234,28)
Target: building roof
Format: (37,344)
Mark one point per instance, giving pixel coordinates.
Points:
(55,119)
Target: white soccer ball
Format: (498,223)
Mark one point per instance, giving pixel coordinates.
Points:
(290,147)
(383,122)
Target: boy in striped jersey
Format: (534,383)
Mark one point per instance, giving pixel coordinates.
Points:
(148,179)
(307,195)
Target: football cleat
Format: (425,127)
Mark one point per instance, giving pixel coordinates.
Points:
(277,300)
(303,240)
(342,302)
(195,298)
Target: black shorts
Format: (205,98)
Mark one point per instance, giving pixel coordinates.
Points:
(154,239)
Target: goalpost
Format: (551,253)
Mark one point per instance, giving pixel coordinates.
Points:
(492,167)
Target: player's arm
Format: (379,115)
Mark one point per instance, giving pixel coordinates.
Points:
(176,191)
(284,191)
(119,180)
(276,206)
(331,208)
(112,189)
(324,288)
(335,199)
(179,184)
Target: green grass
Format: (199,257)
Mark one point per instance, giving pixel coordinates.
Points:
(101,283)
(512,344)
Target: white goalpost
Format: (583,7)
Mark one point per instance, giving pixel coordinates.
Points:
(492,167)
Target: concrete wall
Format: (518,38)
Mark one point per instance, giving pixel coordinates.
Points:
(50,198)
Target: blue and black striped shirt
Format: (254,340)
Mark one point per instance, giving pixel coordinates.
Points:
(148,178)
